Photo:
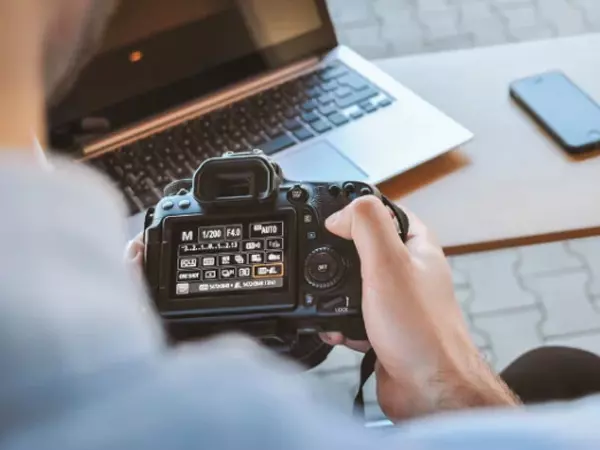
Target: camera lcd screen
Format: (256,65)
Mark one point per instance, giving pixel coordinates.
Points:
(230,257)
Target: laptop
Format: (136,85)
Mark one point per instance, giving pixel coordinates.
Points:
(178,82)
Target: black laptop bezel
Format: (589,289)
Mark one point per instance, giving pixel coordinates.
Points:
(136,109)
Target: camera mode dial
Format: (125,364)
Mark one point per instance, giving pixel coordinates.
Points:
(324,268)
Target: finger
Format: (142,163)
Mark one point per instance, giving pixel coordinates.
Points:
(334,339)
(135,248)
(137,261)
(368,223)
(139,237)
(358,346)
(420,239)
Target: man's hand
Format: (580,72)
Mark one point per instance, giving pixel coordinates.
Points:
(426,359)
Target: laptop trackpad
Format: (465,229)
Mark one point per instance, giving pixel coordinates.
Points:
(319,162)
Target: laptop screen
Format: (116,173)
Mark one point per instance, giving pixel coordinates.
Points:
(158,54)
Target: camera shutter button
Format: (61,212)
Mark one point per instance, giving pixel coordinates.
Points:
(323,268)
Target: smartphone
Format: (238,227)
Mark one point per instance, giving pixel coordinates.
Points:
(570,115)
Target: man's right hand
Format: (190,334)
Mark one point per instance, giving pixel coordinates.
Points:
(427,361)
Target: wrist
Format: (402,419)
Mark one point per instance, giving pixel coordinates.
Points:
(468,382)
(477,385)
(452,385)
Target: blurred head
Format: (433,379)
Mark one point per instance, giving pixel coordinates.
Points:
(74,30)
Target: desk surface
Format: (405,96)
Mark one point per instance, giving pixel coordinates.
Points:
(511,185)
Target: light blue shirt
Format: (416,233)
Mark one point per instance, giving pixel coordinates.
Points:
(84,365)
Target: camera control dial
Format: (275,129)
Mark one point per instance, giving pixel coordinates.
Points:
(324,268)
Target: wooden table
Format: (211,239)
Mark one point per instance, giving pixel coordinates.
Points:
(512,185)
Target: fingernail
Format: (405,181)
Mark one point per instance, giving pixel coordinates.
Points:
(332,218)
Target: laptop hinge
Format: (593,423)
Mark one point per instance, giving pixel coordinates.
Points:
(199,107)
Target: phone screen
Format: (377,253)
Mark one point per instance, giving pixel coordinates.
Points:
(568,113)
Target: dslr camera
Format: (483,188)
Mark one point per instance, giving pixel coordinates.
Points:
(239,247)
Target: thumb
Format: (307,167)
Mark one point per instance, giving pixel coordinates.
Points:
(368,223)
(134,251)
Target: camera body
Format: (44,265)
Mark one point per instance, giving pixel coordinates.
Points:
(239,247)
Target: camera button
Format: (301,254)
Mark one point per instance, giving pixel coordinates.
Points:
(334,190)
(365,191)
(185,204)
(309,300)
(168,205)
(297,194)
(308,218)
(311,235)
(323,268)
(350,188)
(337,305)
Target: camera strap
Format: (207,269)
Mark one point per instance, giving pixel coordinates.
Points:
(367,367)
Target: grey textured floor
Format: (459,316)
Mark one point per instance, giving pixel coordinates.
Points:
(382,28)
(516,299)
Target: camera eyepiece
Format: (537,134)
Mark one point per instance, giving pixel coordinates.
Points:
(236,178)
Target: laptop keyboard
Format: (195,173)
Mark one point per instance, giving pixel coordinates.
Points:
(273,120)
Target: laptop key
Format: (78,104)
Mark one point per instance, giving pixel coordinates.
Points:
(148,198)
(343,91)
(255,139)
(320,126)
(369,108)
(384,103)
(236,135)
(354,81)
(290,113)
(236,147)
(273,131)
(309,105)
(328,109)
(175,169)
(312,81)
(356,114)
(275,95)
(333,72)
(254,127)
(279,143)
(330,85)
(356,97)
(154,174)
(292,124)
(303,134)
(338,119)
(272,120)
(326,98)
(309,117)
(133,202)
(131,180)
(313,91)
